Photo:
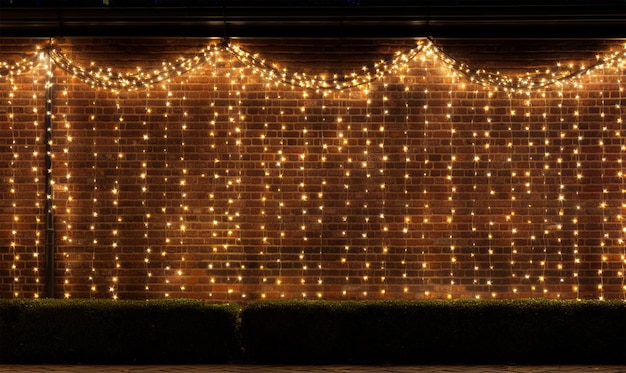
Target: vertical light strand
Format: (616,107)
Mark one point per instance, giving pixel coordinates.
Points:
(93,226)
(67,190)
(240,135)
(165,211)
(214,174)
(15,263)
(620,125)
(475,197)
(303,199)
(491,194)
(50,207)
(265,266)
(39,208)
(384,233)
(119,117)
(146,192)
(427,175)
(604,204)
(577,193)
(344,184)
(450,219)
(513,177)
(406,220)
(365,207)
(280,164)
(183,206)
(546,223)
(228,180)
(320,204)
(561,191)
(528,185)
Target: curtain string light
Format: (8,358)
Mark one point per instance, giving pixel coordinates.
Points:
(15,265)
(512,196)
(561,191)
(94,198)
(604,204)
(406,152)
(622,176)
(145,192)
(67,190)
(36,169)
(491,193)
(579,188)
(126,81)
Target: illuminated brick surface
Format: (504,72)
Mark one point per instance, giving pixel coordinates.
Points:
(231,181)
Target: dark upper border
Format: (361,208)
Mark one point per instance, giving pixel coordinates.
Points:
(535,19)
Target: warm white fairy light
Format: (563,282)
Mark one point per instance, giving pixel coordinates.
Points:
(115,192)
(320,211)
(67,191)
(184,204)
(561,190)
(39,207)
(50,206)
(604,204)
(240,134)
(94,219)
(476,166)
(406,221)
(280,160)
(490,192)
(212,171)
(382,175)
(165,195)
(622,175)
(365,216)
(545,169)
(512,195)
(15,262)
(145,190)
(537,201)
(304,196)
(232,181)
(345,127)
(450,218)
(579,176)
(265,244)
(528,188)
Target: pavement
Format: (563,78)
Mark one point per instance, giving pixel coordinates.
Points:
(239,368)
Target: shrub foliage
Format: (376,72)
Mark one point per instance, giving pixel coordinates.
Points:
(532,331)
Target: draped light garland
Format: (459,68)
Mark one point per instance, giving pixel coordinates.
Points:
(374,167)
(109,79)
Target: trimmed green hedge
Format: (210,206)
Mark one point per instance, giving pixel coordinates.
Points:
(530,331)
(431,332)
(104,331)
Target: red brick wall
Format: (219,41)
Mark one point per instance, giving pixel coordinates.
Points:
(219,185)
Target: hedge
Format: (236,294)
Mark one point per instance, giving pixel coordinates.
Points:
(433,332)
(531,331)
(104,331)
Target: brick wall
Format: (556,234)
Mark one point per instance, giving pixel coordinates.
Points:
(223,185)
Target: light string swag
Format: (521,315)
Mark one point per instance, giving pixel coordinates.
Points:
(109,79)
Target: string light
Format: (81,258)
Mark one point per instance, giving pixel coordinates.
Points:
(15,263)
(145,192)
(94,218)
(622,154)
(369,234)
(579,177)
(36,168)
